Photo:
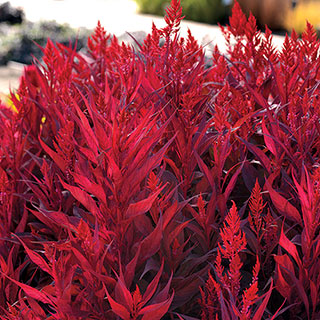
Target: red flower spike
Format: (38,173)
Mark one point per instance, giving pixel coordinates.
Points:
(256,207)
(173,17)
(237,21)
(233,239)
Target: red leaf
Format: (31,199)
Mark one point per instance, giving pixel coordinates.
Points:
(259,313)
(83,197)
(290,247)
(259,154)
(32,292)
(130,269)
(36,308)
(151,244)
(36,258)
(142,206)
(162,295)
(54,155)
(284,262)
(205,170)
(282,205)
(170,213)
(118,309)
(268,139)
(232,182)
(140,143)
(306,205)
(184,317)
(224,309)
(115,170)
(23,221)
(305,201)
(314,295)
(49,217)
(285,265)
(85,126)
(133,179)
(156,311)
(153,285)
(84,263)
(174,209)
(123,294)
(243,120)
(94,188)
(284,268)
(175,233)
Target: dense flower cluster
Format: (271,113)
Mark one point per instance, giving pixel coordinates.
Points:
(141,184)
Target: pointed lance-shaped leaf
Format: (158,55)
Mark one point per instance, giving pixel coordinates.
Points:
(283,206)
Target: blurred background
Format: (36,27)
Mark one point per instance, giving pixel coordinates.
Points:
(26,22)
(279,15)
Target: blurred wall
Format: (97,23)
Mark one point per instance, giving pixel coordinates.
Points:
(270,12)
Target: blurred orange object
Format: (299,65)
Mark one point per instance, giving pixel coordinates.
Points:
(304,11)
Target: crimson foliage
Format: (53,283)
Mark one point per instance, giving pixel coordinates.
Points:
(141,184)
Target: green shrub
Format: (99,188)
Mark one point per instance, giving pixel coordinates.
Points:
(209,11)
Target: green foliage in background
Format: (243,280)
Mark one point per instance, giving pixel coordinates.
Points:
(208,11)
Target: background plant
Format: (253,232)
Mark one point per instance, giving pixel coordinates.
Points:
(203,11)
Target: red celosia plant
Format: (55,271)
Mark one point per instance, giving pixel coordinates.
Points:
(221,298)
(121,171)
